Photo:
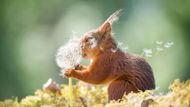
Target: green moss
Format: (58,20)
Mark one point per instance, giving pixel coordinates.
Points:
(96,96)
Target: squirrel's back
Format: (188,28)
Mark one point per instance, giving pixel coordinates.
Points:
(133,69)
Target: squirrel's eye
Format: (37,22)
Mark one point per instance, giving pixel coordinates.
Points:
(88,39)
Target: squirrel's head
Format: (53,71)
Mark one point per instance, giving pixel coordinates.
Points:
(96,41)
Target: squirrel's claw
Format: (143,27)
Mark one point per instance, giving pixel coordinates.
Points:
(79,67)
(68,72)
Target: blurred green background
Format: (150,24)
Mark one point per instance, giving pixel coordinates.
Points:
(32,30)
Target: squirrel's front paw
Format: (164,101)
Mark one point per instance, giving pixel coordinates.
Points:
(79,67)
(69,72)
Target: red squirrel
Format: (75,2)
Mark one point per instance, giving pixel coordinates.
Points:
(123,72)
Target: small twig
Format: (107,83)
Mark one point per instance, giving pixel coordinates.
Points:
(83,102)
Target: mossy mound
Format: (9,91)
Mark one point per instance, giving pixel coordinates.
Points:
(96,96)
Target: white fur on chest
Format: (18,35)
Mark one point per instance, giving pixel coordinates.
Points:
(91,60)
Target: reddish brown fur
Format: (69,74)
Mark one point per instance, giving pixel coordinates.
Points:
(124,72)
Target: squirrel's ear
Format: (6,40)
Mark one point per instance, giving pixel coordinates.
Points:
(105,28)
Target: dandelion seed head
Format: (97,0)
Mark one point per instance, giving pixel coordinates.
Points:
(159,48)
(168,44)
(121,46)
(147,52)
(125,48)
(148,55)
(159,42)
(157,88)
(70,54)
(120,43)
(161,93)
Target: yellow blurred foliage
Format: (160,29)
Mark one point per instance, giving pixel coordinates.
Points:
(86,95)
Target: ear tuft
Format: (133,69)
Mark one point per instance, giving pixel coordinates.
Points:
(114,17)
(106,27)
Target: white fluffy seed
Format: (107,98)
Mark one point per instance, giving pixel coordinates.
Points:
(70,54)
